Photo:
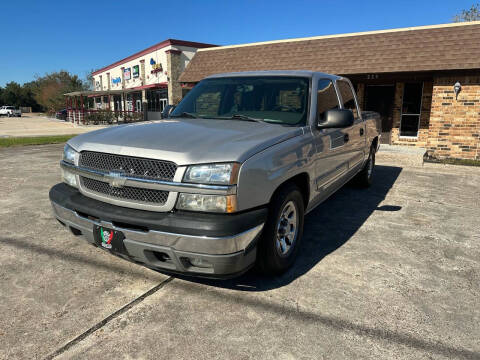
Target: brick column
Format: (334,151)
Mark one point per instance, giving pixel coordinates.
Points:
(142,72)
(123,76)
(397,111)
(108,81)
(174,71)
(144,92)
(101,82)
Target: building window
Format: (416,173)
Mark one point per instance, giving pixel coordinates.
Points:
(157,100)
(411,109)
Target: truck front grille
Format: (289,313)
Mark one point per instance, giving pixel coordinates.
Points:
(149,196)
(132,166)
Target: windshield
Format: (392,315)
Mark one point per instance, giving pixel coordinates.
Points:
(273,99)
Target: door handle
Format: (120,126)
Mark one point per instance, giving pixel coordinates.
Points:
(346,138)
(361,131)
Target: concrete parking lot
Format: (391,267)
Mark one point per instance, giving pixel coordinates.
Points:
(388,272)
(38,125)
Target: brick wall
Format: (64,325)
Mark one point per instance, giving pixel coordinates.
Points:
(455,123)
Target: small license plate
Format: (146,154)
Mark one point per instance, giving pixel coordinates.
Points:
(109,239)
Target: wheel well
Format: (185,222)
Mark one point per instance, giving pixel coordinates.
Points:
(375,143)
(302,181)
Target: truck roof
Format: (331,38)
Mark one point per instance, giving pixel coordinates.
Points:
(302,73)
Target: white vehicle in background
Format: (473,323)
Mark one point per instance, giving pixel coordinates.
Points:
(10,111)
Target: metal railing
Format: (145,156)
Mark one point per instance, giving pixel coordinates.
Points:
(103,117)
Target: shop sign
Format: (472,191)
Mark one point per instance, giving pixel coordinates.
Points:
(116,80)
(156,68)
(136,71)
(127,73)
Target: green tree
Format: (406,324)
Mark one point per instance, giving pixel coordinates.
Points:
(49,89)
(13,94)
(471,14)
(29,96)
(89,79)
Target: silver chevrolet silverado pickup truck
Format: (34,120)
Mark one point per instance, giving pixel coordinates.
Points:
(225,181)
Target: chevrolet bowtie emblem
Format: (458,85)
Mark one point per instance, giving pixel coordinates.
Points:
(116,179)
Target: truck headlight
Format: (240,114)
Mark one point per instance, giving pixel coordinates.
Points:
(207,203)
(217,174)
(69,154)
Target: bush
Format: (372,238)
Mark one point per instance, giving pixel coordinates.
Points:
(99,117)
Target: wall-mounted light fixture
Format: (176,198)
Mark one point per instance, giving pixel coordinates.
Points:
(457,88)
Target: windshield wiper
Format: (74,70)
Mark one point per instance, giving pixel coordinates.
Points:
(245,117)
(186,114)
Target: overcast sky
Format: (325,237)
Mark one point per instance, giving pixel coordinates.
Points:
(78,36)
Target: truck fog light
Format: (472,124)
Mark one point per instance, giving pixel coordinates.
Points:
(201,263)
(69,178)
(207,203)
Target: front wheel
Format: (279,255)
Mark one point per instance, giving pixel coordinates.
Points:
(364,177)
(283,231)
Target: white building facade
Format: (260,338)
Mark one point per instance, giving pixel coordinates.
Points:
(144,82)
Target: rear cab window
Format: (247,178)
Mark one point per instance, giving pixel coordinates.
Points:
(348,98)
(327,98)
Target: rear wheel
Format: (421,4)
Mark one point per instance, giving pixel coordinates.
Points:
(283,231)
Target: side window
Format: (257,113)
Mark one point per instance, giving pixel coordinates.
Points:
(346,92)
(326,98)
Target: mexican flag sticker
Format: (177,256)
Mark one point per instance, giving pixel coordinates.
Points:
(107,236)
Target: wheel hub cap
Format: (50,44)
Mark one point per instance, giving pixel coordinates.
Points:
(287,228)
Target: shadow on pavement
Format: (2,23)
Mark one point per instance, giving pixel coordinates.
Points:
(327,228)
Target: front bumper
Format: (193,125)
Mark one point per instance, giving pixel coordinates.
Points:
(224,244)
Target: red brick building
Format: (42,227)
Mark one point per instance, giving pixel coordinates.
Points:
(407,75)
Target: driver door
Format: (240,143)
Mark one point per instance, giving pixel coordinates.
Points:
(332,153)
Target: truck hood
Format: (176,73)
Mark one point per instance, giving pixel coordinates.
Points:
(187,141)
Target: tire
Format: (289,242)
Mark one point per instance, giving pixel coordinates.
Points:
(275,253)
(364,177)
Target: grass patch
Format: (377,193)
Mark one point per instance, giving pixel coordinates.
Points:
(36,140)
(450,161)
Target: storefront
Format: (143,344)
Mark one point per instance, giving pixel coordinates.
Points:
(424,81)
(142,83)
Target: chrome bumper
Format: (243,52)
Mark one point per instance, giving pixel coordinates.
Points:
(177,242)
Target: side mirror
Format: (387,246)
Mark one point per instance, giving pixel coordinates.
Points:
(167,110)
(336,118)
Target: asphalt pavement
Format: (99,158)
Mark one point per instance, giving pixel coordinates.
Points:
(388,272)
